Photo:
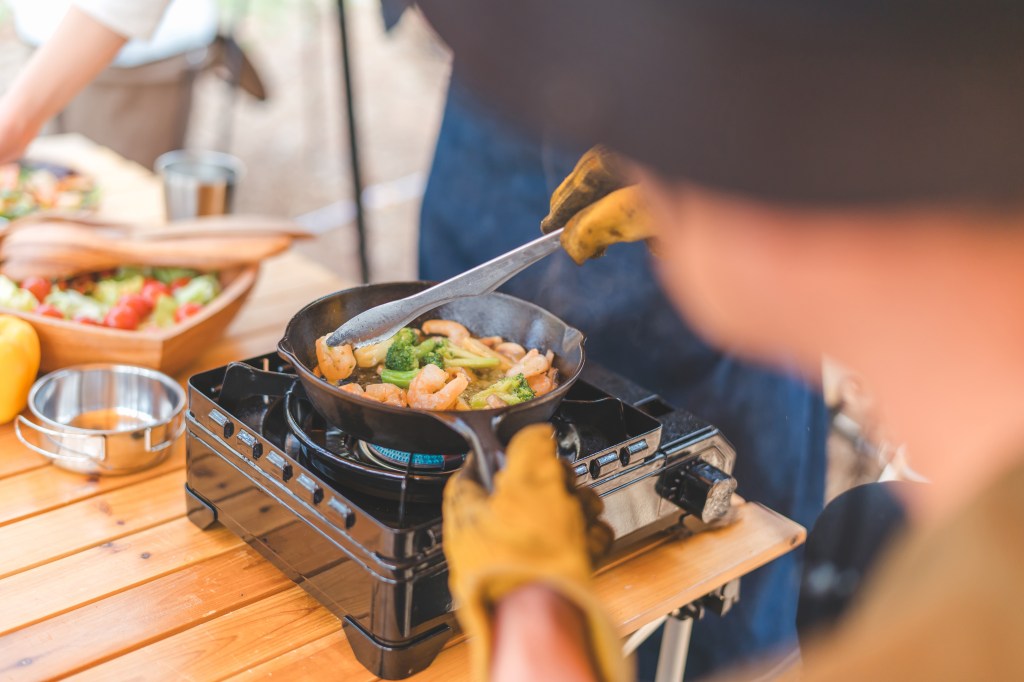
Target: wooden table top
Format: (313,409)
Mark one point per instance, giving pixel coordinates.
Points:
(105,578)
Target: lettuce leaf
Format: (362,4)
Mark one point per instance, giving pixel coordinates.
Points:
(202,290)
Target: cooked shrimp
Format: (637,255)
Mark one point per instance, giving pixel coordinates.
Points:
(429,390)
(511,350)
(461,405)
(389,394)
(354,389)
(450,328)
(543,383)
(532,364)
(336,362)
(454,372)
(492,341)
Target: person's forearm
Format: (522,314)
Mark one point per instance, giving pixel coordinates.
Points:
(80,48)
(538,635)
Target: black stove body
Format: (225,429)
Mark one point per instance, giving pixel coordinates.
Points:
(362,533)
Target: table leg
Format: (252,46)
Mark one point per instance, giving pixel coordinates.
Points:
(675,645)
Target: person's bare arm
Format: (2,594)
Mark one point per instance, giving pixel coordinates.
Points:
(80,48)
(538,635)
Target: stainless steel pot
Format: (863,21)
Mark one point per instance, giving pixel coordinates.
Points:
(103,419)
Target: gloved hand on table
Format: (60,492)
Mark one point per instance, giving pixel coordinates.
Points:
(597,208)
(533,528)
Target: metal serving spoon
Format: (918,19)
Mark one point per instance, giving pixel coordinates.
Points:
(380,323)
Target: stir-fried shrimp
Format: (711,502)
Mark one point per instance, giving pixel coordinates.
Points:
(431,390)
(543,383)
(512,351)
(336,362)
(389,394)
(354,389)
(532,364)
(450,328)
(454,372)
(439,367)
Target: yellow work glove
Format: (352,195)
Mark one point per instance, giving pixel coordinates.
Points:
(533,528)
(597,208)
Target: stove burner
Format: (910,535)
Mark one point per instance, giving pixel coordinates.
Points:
(334,455)
(399,461)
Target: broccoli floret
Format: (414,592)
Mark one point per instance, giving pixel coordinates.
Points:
(402,354)
(405,337)
(454,356)
(399,378)
(401,358)
(405,354)
(432,358)
(513,390)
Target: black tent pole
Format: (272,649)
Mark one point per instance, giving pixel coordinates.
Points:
(353,147)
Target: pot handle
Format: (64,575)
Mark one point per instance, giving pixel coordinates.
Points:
(480,429)
(57,437)
(176,431)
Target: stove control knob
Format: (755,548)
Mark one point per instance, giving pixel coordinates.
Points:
(699,488)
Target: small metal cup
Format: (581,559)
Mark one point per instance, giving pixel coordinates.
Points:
(198,183)
(103,419)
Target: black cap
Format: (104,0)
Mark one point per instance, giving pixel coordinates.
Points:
(813,101)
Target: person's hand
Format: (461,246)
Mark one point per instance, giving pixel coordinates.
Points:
(597,208)
(534,528)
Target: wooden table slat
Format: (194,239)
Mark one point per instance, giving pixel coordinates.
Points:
(308,662)
(220,647)
(42,490)
(128,620)
(91,522)
(110,568)
(14,457)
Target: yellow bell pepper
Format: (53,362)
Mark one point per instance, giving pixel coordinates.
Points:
(19,364)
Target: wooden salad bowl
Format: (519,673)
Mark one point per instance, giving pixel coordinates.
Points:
(169,350)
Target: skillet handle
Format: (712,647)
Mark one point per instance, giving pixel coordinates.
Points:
(480,429)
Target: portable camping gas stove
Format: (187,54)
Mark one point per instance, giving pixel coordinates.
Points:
(359,526)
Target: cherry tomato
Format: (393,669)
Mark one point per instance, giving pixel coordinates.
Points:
(186,310)
(82,319)
(136,302)
(39,287)
(48,310)
(153,289)
(83,284)
(180,282)
(122,317)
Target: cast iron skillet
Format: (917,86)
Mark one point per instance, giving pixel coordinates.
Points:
(480,432)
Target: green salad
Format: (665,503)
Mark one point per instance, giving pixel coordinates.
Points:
(127,298)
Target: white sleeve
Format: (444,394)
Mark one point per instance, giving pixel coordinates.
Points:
(129,18)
